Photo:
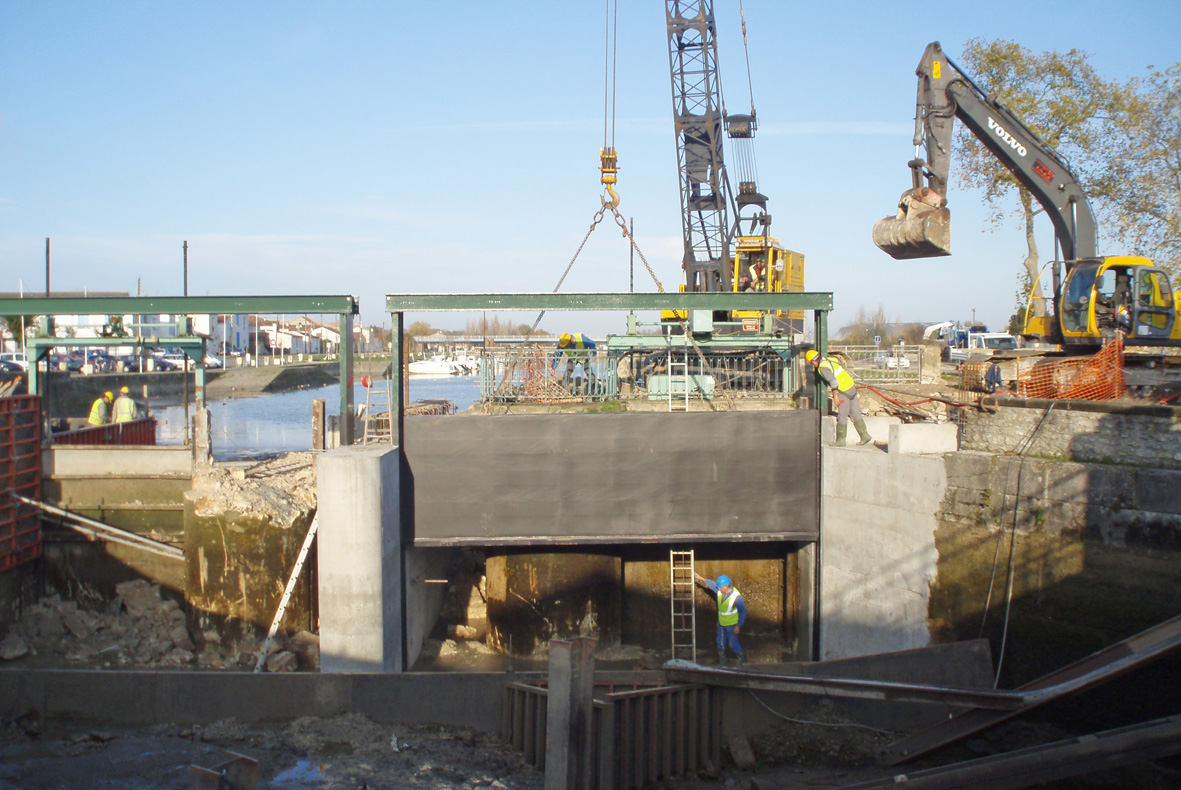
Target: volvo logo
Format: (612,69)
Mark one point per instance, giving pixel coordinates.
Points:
(1000,132)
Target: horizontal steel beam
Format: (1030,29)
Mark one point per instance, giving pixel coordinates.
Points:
(401,303)
(177,305)
(688,672)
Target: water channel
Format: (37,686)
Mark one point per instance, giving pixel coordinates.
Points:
(281,422)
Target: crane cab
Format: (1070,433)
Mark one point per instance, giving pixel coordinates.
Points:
(1123,294)
(761,265)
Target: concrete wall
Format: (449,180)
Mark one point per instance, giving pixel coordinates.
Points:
(140,698)
(878,556)
(1076,431)
(140,489)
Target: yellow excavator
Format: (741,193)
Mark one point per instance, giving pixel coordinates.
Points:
(1095,297)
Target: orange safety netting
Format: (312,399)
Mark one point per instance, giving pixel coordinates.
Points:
(1098,377)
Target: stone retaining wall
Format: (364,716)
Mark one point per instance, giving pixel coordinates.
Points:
(1075,431)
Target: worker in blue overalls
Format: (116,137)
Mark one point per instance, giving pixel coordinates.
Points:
(731,616)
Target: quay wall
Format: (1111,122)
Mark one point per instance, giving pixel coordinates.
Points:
(916,550)
(1143,435)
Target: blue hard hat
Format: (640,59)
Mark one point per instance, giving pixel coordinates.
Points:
(723,580)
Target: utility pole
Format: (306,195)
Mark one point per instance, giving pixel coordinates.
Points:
(47,266)
(186,249)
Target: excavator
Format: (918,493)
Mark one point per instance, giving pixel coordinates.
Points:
(718,256)
(1094,297)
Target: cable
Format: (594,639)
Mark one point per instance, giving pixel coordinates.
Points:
(774,712)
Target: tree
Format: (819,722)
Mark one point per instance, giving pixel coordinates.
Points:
(1064,101)
(865,327)
(1142,195)
(420,329)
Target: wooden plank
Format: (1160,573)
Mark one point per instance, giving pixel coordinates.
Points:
(607,748)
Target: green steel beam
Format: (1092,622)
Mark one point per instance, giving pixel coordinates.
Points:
(399,303)
(177,305)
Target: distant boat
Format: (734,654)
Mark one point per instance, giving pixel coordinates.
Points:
(439,365)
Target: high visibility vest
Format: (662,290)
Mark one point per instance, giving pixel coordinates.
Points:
(125,409)
(99,412)
(728,607)
(845,382)
(578,348)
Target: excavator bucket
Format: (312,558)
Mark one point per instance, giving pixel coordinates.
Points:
(921,229)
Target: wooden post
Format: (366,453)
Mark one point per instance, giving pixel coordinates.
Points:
(568,736)
(318,425)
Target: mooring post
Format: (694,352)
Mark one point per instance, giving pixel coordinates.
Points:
(569,725)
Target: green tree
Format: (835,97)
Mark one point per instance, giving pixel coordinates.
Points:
(1064,101)
(1142,179)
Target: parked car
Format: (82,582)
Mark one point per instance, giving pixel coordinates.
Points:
(16,358)
(7,366)
(75,360)
(171,361)
(891,360)
(211,361)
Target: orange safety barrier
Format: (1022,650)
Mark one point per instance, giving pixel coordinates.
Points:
(1098,377)
(20,471)
(136,432)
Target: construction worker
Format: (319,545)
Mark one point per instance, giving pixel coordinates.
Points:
(577,348)
(844,395)
(731,616)
(100,410)
(125,408)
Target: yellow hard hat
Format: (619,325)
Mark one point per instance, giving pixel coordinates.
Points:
(565,339)
(108,395)
(811,354)
(124,390)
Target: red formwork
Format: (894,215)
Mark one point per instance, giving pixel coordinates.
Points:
(20,472)
(135,432)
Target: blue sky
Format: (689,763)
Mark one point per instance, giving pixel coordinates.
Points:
(373,148)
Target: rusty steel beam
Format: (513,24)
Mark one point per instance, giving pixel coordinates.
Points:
(1096,668)
(1047,763)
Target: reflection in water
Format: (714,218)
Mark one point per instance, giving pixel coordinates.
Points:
(283,421)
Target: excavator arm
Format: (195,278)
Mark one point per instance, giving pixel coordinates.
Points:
(922,226)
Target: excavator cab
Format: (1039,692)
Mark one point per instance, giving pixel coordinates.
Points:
(920,229)
(1118,294)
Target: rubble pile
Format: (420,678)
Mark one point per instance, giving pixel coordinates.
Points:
(137,628)
(281,488)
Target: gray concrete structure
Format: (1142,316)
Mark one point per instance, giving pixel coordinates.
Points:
(923,438)
(877,550)
(359,560)
(379,597)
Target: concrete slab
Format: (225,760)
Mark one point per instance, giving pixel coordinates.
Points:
(920,438)
(878,426)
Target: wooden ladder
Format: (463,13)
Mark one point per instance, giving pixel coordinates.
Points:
(682,588)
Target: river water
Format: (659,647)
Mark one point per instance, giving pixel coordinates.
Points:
(280,422)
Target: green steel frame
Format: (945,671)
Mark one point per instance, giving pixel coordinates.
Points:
(820,303)
(345,307)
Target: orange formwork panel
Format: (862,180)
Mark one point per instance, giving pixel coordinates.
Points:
(20,472)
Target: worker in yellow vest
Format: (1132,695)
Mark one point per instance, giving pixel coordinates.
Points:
(844,395)
(100,410)
(126,409)
(731,616)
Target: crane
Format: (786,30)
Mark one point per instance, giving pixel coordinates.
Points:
(717,255)
(1101,296)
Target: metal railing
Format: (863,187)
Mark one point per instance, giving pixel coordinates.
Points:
(547,376)
(535,375)
(901,364)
